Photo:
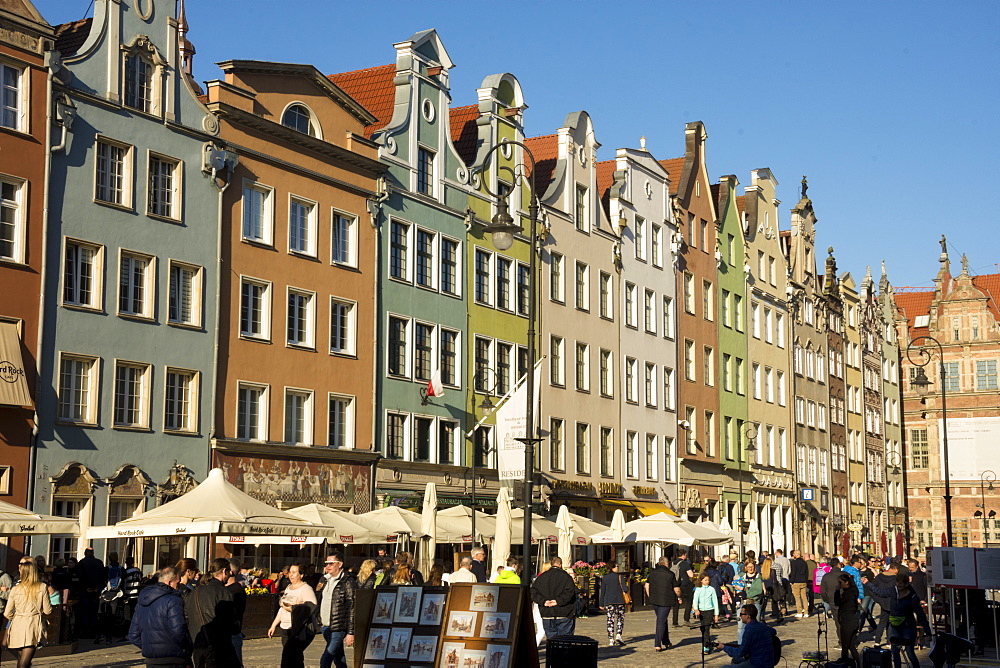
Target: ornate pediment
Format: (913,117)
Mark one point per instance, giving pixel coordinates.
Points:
(178,482)
(129,480)
(143,45)
(74,479)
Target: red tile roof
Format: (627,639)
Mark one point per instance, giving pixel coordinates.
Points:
(674,167)
(912,304)
(741,204)
(605,176)
(465,132)
(545,150)
(71,36)
(373,89)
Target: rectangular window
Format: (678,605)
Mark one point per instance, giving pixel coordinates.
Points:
(607,451)
(768,325)
(650,456)
(657,241)
(556,444)
(581,208)
(504,267)
(523,284)
(727,372)
(81,275)
(668,458)
(556,361)
(727,437)
(340,421)
(740,364)
(631,448)
(251,412)
(77,383)
(688,359)
(425,258)
(398,339)
(668,388)
(255,309)
(484,271)
(738,311)
(301,318)
(668,318)
(301,226)
(607,295)
(781,388)
(583,367)
(504,353)
(582,286)
(631,381)
(919,449)
(395,435)
(185,294)
(769,384)
(11,98)
(708,300)
(298,417)
(423,351)
(648,310)
(710,433)
(649,384)
(64,547)
(709,366)
(691,429)
(257,213)
(582,447)
(135,285)
(449,357)
(724,309)
(631,305)
(343,327)
(131,395)
(422,430)
(342,239)
(12,227)
(113,178)
(164,182)
(640,238)
(447,433)
(755,320)
(688,293)
(986,374)
(449,266)
(952,382)
(138,83)
(779,326)
(425,171)
(180,402)
(607,389)
(399,246)
(556,277)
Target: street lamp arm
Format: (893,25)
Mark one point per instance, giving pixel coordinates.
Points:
(916,347)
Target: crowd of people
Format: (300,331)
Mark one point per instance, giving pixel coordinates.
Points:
(182,616)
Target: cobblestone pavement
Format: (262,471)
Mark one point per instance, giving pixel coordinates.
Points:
(797,635)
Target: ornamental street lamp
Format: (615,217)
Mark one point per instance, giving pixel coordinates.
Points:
(750,433)
(503,228)
(921,384)
(480,383)
(989,477)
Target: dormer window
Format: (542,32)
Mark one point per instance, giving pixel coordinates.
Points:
(138,83)
(298,118)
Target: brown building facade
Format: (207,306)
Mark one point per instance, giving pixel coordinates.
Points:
(24,38)
(295,389)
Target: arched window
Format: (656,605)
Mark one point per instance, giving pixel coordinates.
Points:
(299,118)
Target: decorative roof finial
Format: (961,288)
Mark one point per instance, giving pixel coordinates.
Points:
(805,186)
(642,142)
(944,249)
(965,265)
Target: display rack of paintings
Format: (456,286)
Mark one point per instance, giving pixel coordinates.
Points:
(481,628)
(399,626)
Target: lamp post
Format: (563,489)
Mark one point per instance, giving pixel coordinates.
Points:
(480,383)
(987,476)
(750,432)
(922,384)
(503,228)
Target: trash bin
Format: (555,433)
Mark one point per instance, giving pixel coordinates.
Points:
(575,651)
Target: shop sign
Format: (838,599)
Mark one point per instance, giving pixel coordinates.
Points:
(610,488)
(572,486)
(640,490)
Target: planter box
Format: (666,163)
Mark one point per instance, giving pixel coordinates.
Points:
(259,614)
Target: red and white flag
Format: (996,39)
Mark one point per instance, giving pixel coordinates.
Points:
(434,387)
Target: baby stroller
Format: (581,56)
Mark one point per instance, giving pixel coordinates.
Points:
(947,650)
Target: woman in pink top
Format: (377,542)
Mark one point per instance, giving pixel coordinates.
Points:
(818,574)
(296,593)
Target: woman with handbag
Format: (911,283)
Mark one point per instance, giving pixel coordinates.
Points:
(614,598)
(28,601)
(292,620)
(773,591)
(754,590)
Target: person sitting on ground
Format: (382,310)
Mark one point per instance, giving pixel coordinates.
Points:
(756,648)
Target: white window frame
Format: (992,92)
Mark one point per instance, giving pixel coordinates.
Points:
(432,261)
(351,328)
(90,405)
(557,362)
(668,317)
(96,275)
(125,175)
(14,209)
(197,282)
(260,433)
(307,417)
(631,305)
(266,212)
(505,303)
(607,372)
(153,102)
(557,278)
(148,287)
(407,345)
(142,397)
(406,249)
(309,340)
(640,238)
(607,296)
(349,221)
(631,455)
(306,246)
(650,384)
(488,277)
(656,239)
(175,189)
(22,97)
(581,363)
(456,279)
(581,283)
(265,309)
(191,419)
(631,380)
(669,401)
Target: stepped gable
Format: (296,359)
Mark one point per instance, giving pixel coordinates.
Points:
(373,89)
(465,131)
(71,36)
(545,150)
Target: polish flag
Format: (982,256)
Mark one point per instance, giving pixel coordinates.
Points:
(434,387)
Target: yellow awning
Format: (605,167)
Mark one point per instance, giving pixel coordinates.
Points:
(13,385)
(616,503)
(653,507)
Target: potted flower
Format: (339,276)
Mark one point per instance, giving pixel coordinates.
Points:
(582,569)
(601,569)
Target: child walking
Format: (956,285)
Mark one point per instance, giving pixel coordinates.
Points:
(706,608)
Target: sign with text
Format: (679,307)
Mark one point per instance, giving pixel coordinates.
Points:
(511,421)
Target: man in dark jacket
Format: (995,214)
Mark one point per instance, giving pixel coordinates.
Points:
(158,625)
(798,576)
(685,580)
(93,578)
(828,587)
(555,593)
(479,564)
(918,579)
(211,615)
(336,611)
(885,580)
(239,592)
(663,593)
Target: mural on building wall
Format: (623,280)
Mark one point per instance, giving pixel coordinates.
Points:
(299,481)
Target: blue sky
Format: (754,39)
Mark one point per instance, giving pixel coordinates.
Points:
(890,108)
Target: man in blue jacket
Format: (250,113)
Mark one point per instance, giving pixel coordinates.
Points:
(757,649)
(159,628)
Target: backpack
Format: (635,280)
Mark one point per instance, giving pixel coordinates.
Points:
(776,648)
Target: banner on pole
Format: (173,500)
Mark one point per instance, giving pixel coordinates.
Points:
(511,420)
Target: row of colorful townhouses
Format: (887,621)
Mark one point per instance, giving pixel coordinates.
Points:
(265,272)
